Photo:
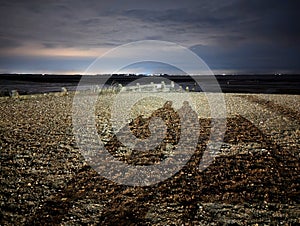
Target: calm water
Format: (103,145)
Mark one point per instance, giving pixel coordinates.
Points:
(30,84)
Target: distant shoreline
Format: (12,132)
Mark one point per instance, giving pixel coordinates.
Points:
(46,83)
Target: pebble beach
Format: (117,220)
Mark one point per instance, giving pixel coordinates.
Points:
(254,180)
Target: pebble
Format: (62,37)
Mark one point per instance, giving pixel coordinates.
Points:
(44,179)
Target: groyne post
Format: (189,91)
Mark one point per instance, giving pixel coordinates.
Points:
(14,94)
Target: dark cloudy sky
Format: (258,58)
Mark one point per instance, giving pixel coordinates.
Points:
(251,36)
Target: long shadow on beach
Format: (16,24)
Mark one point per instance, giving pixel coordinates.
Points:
(251,175)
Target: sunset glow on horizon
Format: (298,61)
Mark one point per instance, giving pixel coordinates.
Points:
(232,37)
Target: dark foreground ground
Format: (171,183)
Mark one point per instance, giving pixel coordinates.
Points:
(46,181)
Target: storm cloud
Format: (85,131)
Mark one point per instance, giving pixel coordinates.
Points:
(248,36)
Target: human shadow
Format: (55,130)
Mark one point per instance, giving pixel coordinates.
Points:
(252,177)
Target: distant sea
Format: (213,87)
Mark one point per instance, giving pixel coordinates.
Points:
(37,83)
